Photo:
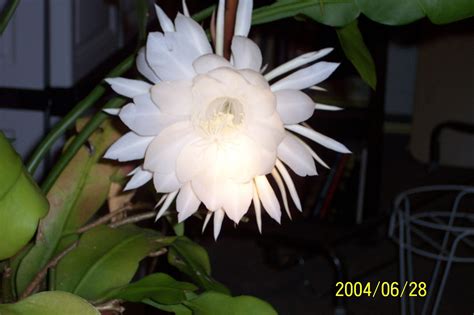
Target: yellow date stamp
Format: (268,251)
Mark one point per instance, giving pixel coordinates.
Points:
(381,288)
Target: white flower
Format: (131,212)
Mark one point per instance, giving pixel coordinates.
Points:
(210,130)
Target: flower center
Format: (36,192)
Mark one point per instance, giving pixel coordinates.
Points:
(222,116)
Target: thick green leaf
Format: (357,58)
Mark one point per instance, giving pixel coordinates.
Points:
(192,259)
(333,12)
(177,309)
(22,204)
(78,193)
(354,47)
(50,303)
(159,287)
(447,11)
(106,258)
(7,14)
(213,303)
(328,12)
(391,12)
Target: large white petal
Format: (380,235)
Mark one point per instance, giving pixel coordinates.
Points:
(306,77)
(254,78)
(129,147)
(166,182)
(268,198)
(209,62)
(140,177)
(164,149)
(268,132)
(319,138)
(165,22)
(295,155)
(246,54)
(294,106)
(258,102)
(167,59)
(144,68)
(128,87)
(173,97)
(243,18)
(208,188)
(297,62)
(145,118)
(237,199)
(193,35)
(190,161)
(229,77)
(187,202)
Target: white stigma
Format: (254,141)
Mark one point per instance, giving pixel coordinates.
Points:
(222,117)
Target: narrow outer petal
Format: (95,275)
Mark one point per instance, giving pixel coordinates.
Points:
(319,138)
(218,218)
(140,177)
(306,77)
(165,22)
(297,62)
(128,87)
(268,198)
(243,18)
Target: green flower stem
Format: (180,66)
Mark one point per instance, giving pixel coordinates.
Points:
(7,14)
(68,120)
(77,142)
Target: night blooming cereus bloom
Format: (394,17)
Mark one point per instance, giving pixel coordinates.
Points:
(211,130)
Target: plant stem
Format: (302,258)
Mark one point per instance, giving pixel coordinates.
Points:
(158,253)
(230,14)
(43,148)
(7,14)
(113,306)
(77,142)
(106,218)
(134,219)
(6,296)
(43,272)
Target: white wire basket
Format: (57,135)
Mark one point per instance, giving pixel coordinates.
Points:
(444,235)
